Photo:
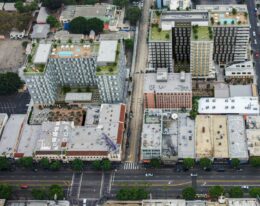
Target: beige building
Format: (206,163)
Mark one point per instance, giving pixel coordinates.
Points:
(211,137)
(201,52)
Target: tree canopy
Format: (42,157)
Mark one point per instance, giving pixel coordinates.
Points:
(133,14)
(155,163)
(216,191)
(254,192)
(5,191)
(56,190)
(132,194)
(188,193)
(22,8)
(9,83)
(52,4)
(26,162)
(129,44)
(205,163)
(188,163)
(255,161)
(39,194)
(235,162)
(92,2)
(55,166)
(81,25)
(4,163)
(52,21)
(235,192)
(77,164)
(120,3)
(101,164)
(44,163)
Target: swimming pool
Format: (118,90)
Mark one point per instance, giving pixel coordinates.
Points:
(65,53)
(228,21)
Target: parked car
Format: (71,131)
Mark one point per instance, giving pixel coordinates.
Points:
(149,174)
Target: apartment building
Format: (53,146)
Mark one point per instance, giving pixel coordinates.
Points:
(244,70)
(75,66)
(231,26)
(178,24)
(201,56)
(167,90)
(174,4)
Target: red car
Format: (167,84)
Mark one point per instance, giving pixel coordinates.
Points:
(24,186)
(256,54)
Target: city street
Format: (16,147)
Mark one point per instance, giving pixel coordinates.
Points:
(137,94)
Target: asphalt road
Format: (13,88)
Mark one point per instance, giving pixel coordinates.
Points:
(137,94)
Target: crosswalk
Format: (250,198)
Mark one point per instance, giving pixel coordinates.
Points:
(131,166)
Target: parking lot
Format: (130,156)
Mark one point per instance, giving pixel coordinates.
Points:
(11,55)
(15,103)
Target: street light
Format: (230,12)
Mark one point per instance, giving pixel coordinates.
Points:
(194,180)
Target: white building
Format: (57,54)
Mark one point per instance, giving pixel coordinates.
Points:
(232,105)
(3,120)
(42,16)
(244,70)
(253,135)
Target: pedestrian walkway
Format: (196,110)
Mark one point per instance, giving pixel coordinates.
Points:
(131,166)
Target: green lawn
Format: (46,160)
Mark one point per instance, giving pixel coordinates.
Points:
(156,34)
(202,33)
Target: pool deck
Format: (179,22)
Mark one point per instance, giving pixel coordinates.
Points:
(74,51)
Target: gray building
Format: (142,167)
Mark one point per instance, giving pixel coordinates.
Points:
(74,66)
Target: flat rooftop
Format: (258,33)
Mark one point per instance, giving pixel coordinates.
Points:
(107,51)
(42,54)
(74,51)
(78,97)
(223,15)
(242,202)
(201,33)
(88,11)
(11,133)
(240,90)
(174,83)
(253,140)
(185,16)
(253,122)
(211,136)
(237,138)
(171,202)
(245,68)
(157,34)
(232,105)
(37,203)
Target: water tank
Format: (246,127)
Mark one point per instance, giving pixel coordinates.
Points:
(66,26)
(174,116)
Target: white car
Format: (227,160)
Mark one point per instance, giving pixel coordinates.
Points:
(84,202)
(254,33)
(245,187)
(149,174)
(255,41)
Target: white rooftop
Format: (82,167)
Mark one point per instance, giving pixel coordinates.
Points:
(42,16)
(240,69)
(242,202)
(42,54)
(78,97)
(236,137)
(164,202)
(253,140)
(11,133)
(3,120)
(9,7)
(176,82)
(107,51)
(232,105)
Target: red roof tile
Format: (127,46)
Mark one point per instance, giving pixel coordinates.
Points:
(18,155)
(87,153)
(122,113)
(120,133)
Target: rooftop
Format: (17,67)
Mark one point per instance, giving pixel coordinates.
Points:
(253,122)
(227,15)
(176,82)
(201,33)
(3,120)
(164,202)
(42,16)
(245,68)
(240,90)
(232,105)
(211,136)
(236,136)
(103,11)
(253,140)
(37,203)
(40,31)
(78,97)
(11,134)
(157,34)
(42,54)
(242,202)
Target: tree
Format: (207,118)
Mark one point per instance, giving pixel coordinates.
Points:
(120,3)
(81,25)
(91,2)
(19,5)
(254,192)
(129,44)
(189,193)
(236,192)
(39,194)
(24,44)
(55,166)
(188,163)
(52,4)
(133,14)
(9,83)
(235,162)
(44,163)
(255,161)
(96,164)
(205,163)
(4,163)
(52,21)
(77,164)
(234,11)
(26,162)
(155,163)
(132,194)
(56,190)
(5,191)
(106,164)
(216,191)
